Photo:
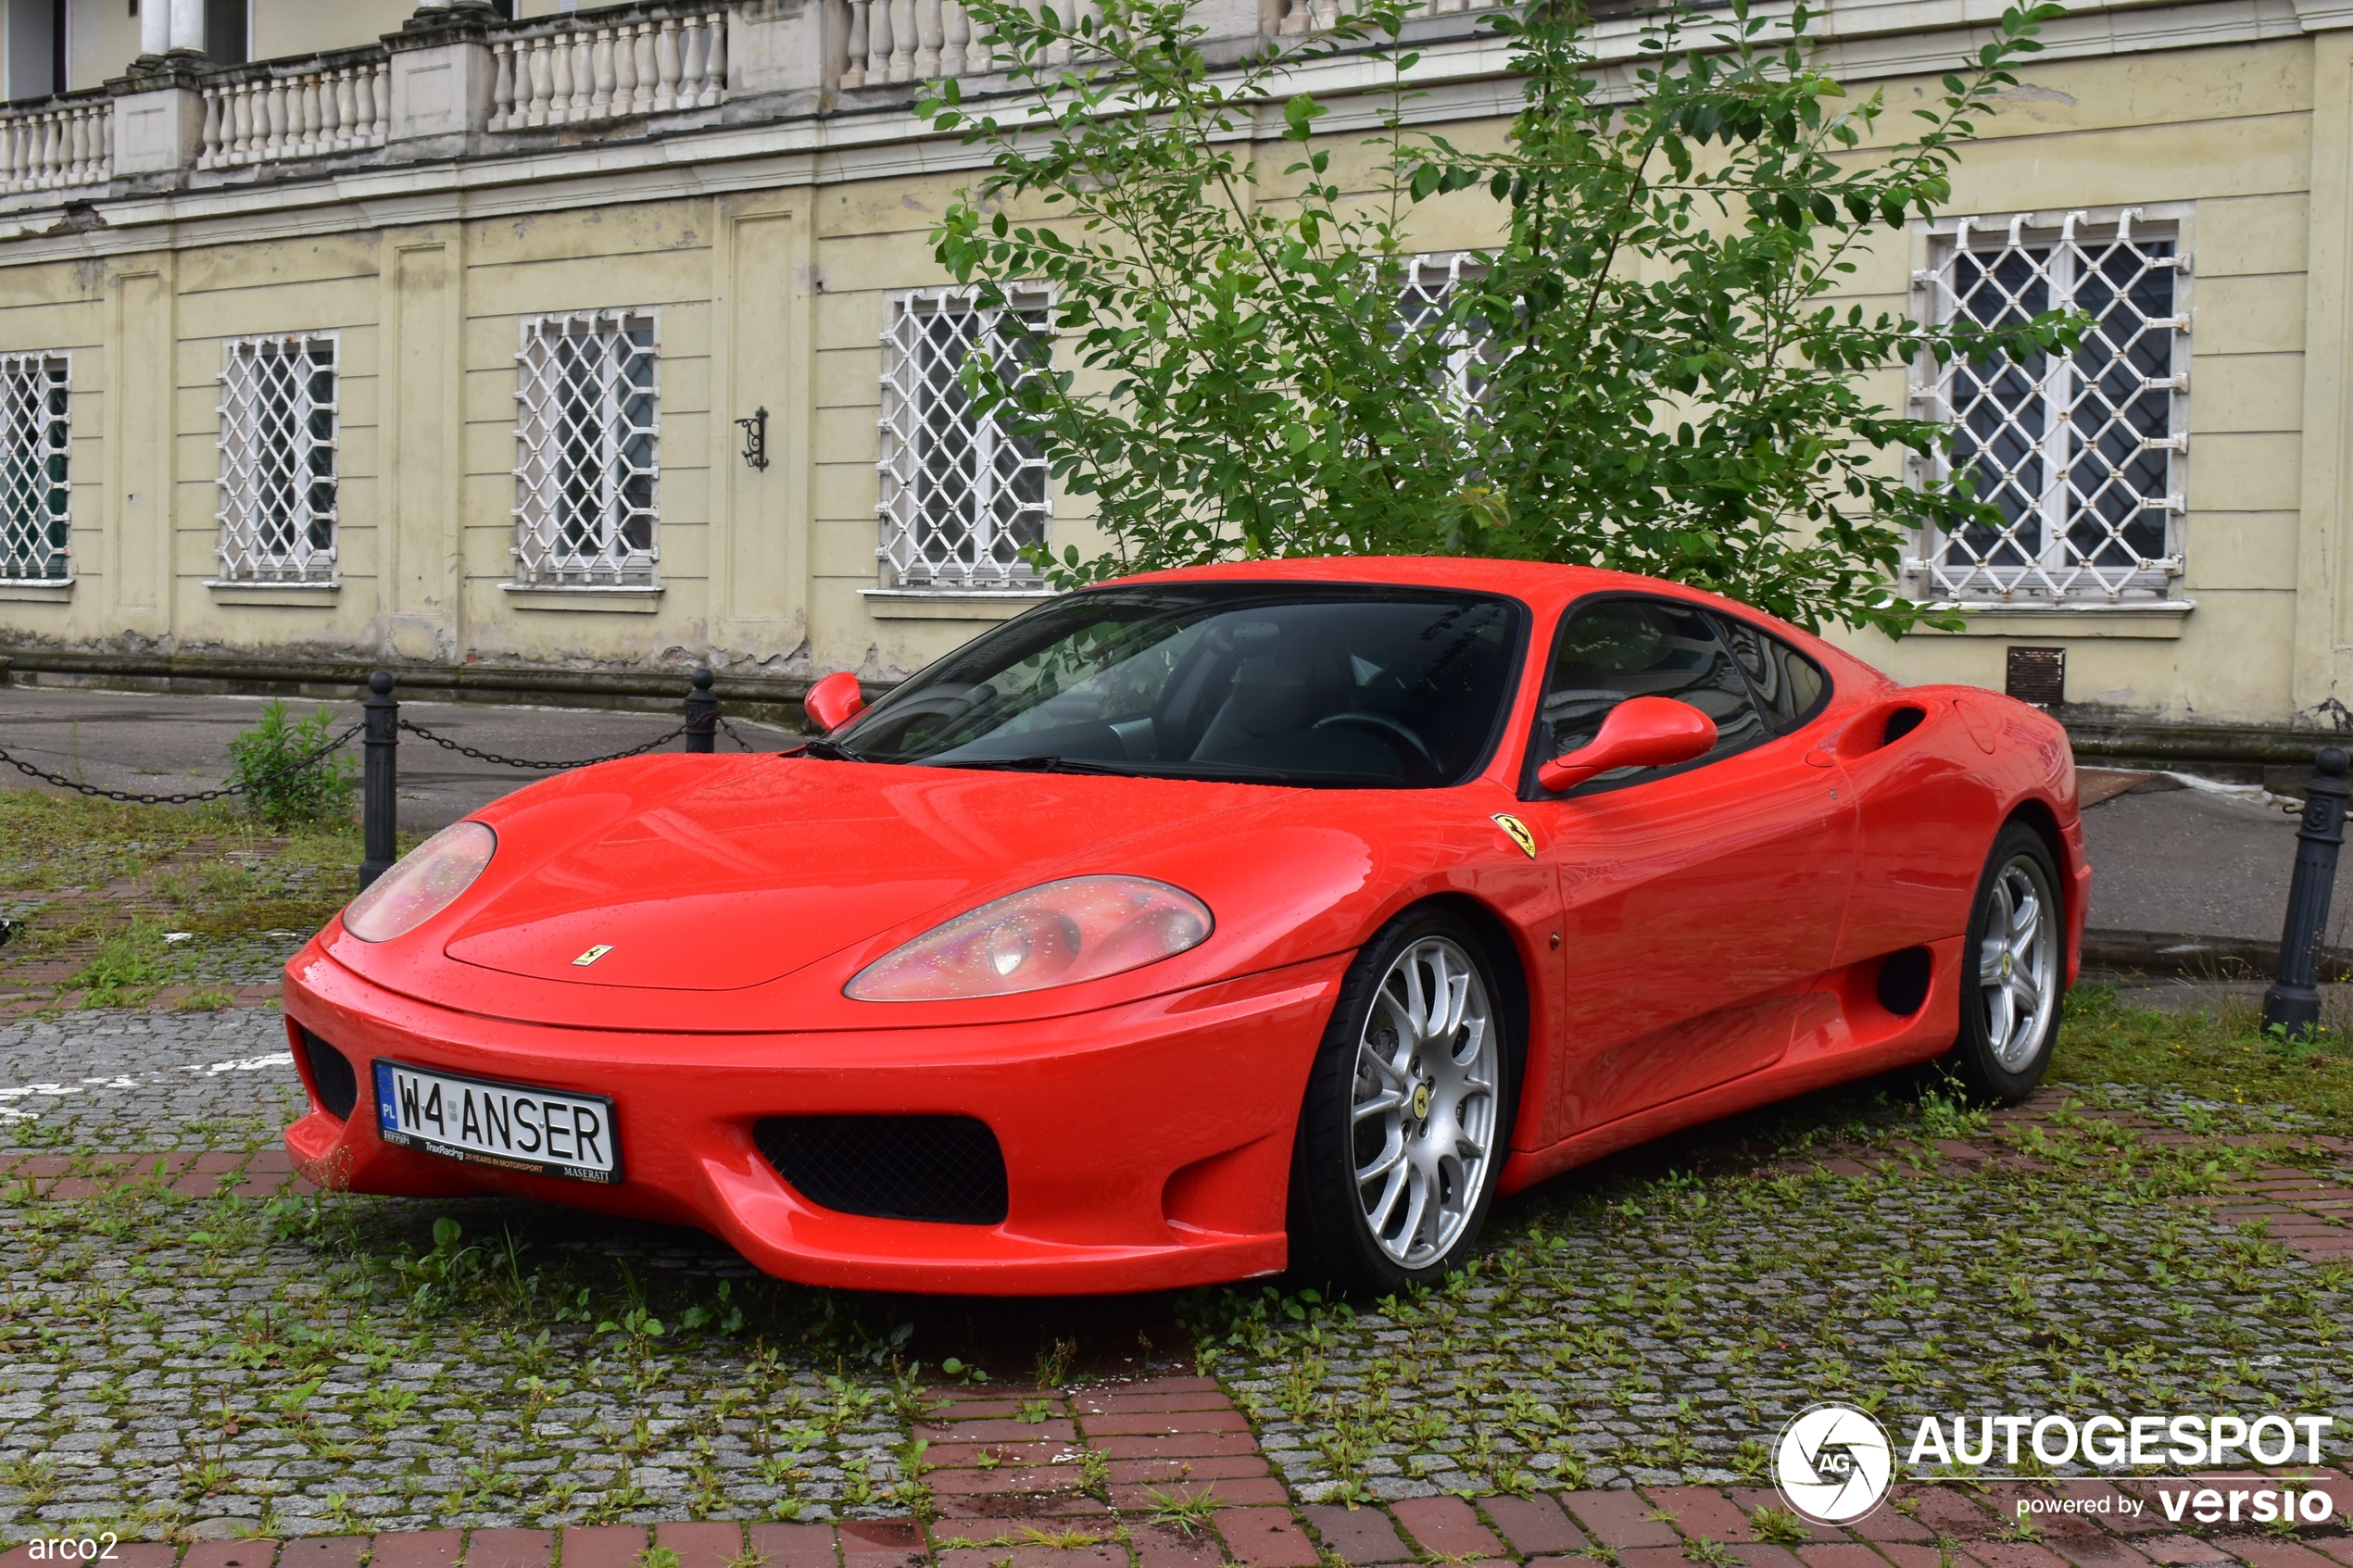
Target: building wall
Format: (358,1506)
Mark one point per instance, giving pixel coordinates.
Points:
(2229,130)
(773,297)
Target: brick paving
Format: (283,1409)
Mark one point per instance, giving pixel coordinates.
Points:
(1045,1517)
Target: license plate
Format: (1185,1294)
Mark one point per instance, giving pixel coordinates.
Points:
(512,1127)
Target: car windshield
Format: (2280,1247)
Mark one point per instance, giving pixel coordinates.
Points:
(1363,688)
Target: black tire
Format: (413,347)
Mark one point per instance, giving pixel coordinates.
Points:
(1332,1237)
(2000,1054)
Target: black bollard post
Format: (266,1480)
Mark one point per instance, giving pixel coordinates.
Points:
(2291,1005)
(379,799)
(702,713)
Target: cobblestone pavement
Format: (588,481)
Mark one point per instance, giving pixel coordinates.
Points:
(193,1349)
(1656,1338)
(120,1080)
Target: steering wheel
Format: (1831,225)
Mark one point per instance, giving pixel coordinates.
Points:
(1386,728)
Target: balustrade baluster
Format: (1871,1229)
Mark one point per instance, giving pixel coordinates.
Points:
(666,62)
(690,49)
(349,132)
(600,72)
(236,122)
(542,84)
(314,114)
(956,31)
(649,69)
(560,56)
(502,89)
(853,70)
(929,37)
(877,42)
(624,69)
(52,145)
(584,73)
(902,39)
(69,151)
(714,60)
(380,92)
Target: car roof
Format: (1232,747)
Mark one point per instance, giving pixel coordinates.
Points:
(1544,585)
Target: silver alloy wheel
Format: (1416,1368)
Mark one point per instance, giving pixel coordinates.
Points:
(1423,1113)
(2018,963)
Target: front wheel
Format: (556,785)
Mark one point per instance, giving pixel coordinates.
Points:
(2015,970)
(1407,1114)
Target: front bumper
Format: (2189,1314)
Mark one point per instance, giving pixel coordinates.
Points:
(1146,1147)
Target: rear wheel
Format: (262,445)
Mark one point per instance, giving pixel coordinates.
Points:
(2015,970)
(1403,1131)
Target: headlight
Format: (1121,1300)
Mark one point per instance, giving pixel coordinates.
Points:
(425,882)
(1060,933)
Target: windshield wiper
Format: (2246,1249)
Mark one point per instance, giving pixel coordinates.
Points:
(832,749)
(1202,771)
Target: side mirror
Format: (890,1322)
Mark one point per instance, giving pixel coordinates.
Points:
(834,701)
(1642,732)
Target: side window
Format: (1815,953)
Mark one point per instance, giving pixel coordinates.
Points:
(1789,685)
(1619,648)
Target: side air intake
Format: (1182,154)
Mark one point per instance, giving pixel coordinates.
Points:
(331,1070)
(943,1168)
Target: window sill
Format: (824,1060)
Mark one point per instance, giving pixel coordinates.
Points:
(50,591)
(2157,618)
(631,600)
(951,603)
(292,595)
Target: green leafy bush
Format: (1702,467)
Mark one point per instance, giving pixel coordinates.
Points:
(1653,365)
(262,760)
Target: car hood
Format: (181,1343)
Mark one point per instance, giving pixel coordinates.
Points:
(719,881)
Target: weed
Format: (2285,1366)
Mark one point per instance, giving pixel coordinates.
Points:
(279,789)
(1189,1513)
(1780,1527)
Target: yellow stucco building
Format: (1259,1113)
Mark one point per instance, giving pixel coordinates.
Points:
(342,334)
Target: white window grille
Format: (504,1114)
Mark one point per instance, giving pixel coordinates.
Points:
(587,438)
(2084,454)
(36,422)
(278,470)
(1422,300)
(961,495)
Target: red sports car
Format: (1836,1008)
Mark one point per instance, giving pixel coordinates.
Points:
(1203,924)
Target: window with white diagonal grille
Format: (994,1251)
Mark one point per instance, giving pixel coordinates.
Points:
(278,459)
(961,495)
(587,439)
(2085,455)
(1430,284)
(36,422)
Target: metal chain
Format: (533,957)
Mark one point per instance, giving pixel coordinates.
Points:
(731,734)
(464,751)
(195,798)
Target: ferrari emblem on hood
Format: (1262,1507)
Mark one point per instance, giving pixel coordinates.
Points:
(601,948)
(1518,832)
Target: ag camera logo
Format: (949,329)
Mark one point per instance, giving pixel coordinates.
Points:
(1833,1464)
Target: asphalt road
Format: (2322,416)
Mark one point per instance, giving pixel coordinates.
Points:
(2177,862)
(162,744)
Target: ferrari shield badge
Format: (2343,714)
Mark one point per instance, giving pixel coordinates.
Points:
(1518,832)
(601,948)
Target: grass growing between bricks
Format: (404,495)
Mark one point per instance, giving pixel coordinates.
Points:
(96,887)
(1657,1327)
(2219,1055)
(331,1364)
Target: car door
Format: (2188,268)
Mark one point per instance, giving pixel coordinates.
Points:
(1698,899)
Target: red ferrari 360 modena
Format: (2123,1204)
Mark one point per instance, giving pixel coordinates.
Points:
(1203,924)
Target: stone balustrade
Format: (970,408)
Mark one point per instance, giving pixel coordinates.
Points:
(911,41)
(585,71)
(63,143)
(302,113)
